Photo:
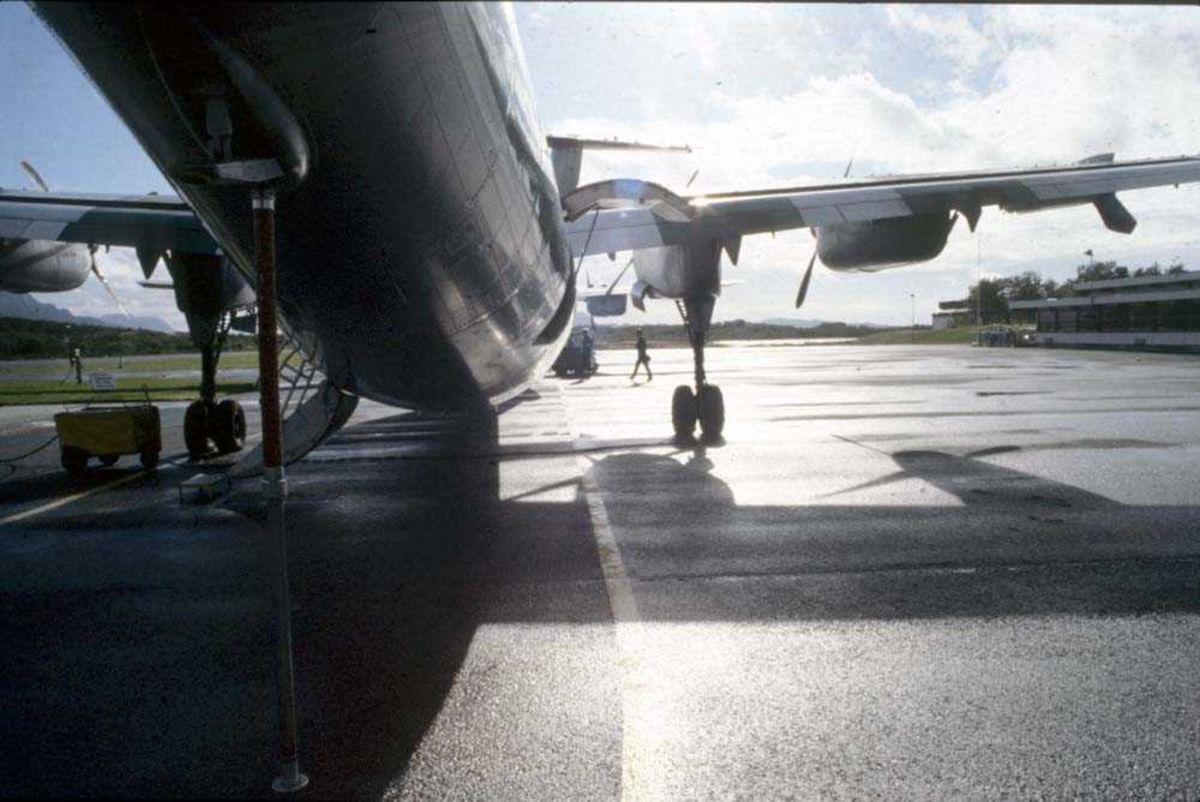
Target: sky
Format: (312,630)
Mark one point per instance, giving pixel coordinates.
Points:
(769,95)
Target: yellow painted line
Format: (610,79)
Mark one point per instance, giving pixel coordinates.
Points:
(643,731)
(62,502)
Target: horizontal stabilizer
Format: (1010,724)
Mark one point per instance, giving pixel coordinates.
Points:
(610,144)
(566,155)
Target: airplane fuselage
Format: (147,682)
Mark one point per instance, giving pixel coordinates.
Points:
(422,257)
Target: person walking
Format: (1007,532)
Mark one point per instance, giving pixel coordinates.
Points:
(76,363)
(643,358)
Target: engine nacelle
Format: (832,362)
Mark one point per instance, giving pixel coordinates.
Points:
(876,244)
(607,305)
(42,266)
(681,271)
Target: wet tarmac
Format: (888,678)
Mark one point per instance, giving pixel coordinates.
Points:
(907,573)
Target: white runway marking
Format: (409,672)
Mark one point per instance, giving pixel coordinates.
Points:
(65,500)
(642,730)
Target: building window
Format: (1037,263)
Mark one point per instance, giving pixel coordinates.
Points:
(1141,317)
(1116,318)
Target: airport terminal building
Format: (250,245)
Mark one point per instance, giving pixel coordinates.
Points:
(1153,312)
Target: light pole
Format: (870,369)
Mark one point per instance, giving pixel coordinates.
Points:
(912,296)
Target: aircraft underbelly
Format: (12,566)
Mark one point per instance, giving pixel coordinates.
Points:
(423,254)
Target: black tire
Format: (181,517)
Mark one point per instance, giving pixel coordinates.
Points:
(109,460)
(196,426)
(149,460)
(683,412)
(75,461)
(711,410)
(229,426)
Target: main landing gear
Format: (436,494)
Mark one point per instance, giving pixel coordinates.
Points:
(705,405)
(210,427)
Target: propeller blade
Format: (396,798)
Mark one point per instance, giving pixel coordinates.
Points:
(105,284)
(849,164)
(613,285)
(807,276)
(882,481)
(37,179)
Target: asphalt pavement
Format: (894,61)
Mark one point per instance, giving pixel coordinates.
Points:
(907,572)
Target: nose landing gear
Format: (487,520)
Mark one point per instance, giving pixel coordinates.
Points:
(209,426)
(705,405)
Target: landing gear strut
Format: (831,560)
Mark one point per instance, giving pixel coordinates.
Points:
(207,425)
(705,405)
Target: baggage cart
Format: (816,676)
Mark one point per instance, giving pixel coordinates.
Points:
(108,433)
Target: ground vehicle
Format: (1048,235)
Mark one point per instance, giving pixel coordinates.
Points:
(578,357)
(107,433)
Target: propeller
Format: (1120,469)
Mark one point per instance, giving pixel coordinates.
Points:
(613,284)
(803,292)
(807,276)
(37,179)
(104,282)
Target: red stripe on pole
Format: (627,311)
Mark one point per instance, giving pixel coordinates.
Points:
(268,345)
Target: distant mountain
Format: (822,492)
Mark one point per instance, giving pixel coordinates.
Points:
(135,322)
(798,322)
(26,307)
(804,323)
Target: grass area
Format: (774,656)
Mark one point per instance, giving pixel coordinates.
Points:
(55,392)
(957,336)
(232,360)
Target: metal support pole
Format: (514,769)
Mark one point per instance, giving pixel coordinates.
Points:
(290,778)
(913,325)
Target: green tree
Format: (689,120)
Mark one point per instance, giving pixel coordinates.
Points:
(1099,271)
(1024,287)
(988,298)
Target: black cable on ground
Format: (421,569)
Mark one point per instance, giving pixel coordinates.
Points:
(27,454)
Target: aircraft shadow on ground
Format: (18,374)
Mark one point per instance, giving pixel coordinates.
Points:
(396,567)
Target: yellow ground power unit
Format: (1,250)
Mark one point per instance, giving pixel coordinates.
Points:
(107,433)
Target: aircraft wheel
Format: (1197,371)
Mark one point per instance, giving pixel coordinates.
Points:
(149,459)
(683,411)
(75,461)
(195,429)
(229,426)
(109,460)
(711,409)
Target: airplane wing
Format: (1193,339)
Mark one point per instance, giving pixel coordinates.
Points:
(152,223)
(624,215)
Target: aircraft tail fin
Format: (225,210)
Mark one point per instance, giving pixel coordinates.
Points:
(566,154)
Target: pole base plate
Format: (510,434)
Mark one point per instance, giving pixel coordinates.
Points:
(289,785)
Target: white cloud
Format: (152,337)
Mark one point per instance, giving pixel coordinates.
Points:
(948,29)
(1063,84)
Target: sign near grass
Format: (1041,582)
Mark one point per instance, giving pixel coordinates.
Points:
(103,381)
